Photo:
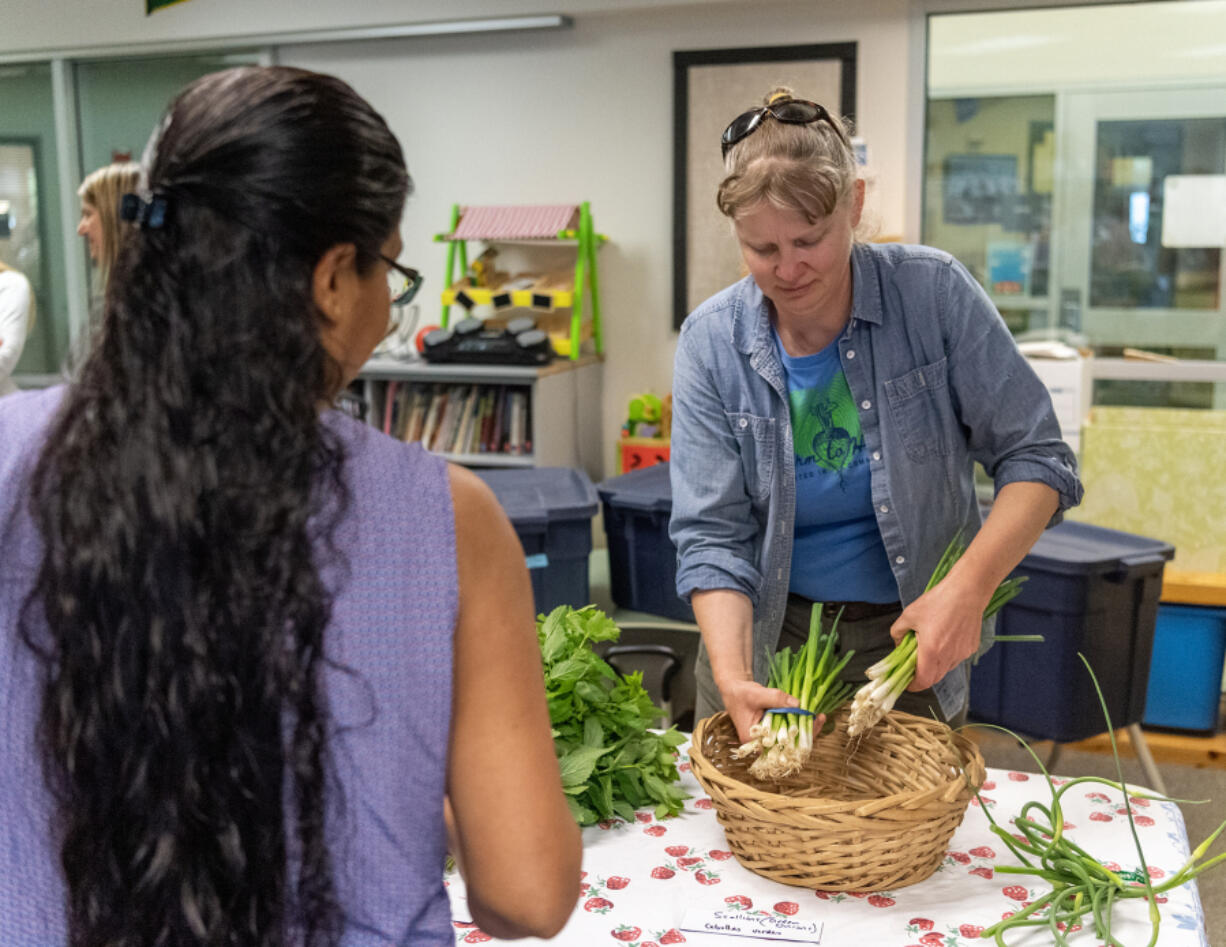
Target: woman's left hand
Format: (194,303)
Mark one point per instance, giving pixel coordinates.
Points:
(947,621)
(948,618)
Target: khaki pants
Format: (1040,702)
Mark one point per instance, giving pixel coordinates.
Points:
(869,638)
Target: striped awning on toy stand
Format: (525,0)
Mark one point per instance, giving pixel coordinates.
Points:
(521,222)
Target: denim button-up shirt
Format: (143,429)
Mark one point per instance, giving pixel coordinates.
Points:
(938,383)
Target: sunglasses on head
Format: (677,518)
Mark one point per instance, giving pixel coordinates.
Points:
(791,111)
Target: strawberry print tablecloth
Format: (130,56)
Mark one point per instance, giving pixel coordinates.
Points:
(640,878)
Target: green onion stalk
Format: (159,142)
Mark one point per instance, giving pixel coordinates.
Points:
(1081,885)
(893,674)
(783,740)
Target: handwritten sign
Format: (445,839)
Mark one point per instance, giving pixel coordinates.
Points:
(770,925)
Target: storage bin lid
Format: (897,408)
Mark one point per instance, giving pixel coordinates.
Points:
(538,496)
(647,489)
(1084,549)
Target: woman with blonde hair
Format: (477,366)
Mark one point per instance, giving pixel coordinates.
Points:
(828,410)
(16,321)
(100,225)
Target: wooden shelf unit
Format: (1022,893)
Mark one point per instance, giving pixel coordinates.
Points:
(1193,588)
(564,401)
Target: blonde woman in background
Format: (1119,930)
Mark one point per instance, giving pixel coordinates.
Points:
(16,320)
(100,225)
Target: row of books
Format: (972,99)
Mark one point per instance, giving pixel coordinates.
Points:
(459,418)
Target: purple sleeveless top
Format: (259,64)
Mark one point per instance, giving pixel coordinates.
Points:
(393,618)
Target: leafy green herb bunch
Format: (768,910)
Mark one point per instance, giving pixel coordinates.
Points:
(612,762)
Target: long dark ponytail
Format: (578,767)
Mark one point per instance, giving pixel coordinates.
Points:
(185,491)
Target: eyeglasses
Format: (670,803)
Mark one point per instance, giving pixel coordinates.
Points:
(791,111)
(403,282)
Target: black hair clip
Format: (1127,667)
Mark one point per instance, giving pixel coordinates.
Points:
(150,213)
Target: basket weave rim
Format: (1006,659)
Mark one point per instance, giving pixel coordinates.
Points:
(828,842)
(967,778)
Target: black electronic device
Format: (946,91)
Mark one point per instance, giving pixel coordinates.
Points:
(520,343)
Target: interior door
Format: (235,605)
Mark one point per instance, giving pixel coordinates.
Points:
(1140,221)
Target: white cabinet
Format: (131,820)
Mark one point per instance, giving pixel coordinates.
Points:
(1068,374)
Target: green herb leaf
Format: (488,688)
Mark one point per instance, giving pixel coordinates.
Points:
(577,765)
(611,761)
(582,814)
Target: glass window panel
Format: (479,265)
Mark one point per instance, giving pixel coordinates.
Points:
(28,185)
(1159,394)
(1134,186)
(1026,321)
(1130,266)
(988,194)
(121,100)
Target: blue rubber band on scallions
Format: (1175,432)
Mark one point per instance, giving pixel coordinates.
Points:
(791,710)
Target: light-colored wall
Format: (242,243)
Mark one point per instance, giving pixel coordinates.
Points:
(579,114)
(120,100)
(32,25)
(587,114)
(583,113)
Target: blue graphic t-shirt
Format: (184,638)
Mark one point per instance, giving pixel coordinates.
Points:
(837,553)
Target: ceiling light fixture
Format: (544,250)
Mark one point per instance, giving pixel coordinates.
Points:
(499,24)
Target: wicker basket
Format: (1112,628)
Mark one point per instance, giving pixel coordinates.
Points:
(873,819)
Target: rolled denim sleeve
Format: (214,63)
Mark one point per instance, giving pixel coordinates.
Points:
(1011,426)
(713,524)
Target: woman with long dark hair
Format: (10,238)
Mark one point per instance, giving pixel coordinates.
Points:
(255,655)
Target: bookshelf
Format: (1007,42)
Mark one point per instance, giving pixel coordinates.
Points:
(558,407)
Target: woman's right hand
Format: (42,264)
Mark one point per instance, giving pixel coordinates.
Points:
(747,700)
(726,619)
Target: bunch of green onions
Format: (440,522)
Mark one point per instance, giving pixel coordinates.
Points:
(783,738)
(1080,884)
(893,674)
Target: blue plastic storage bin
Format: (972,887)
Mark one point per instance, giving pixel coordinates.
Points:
(1185,673)
(1090,590)
(551,509)
(642,559)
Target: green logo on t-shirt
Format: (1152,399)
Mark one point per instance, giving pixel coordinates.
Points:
(826,425)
